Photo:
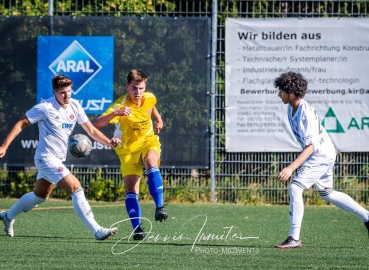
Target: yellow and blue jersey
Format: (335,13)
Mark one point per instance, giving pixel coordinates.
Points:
(133,130)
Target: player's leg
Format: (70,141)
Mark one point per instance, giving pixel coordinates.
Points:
(132,187)
(296,209)
(44,187)
(131,168)
(340,199)
(55,172)
(301,181)
(345,202)
(155,183)
(151,152)
(26,203)
(295,191)
(82,208)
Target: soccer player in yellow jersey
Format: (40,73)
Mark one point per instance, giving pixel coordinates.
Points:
(131,115)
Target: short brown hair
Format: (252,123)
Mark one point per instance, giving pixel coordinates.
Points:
(61,81)
(137,76)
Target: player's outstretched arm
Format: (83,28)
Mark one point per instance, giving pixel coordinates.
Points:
(102,121)
(97,135)
(18,127)
(158,121)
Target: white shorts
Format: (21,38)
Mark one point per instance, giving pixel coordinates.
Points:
(320,175)
(51,169)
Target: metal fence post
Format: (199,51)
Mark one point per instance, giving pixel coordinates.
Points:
(51,14)
(212,97)
(51,8)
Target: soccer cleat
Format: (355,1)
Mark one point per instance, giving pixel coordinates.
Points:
(160,214)
(139,234)
(290,243)
(8,224)
(367,226)
(104,233)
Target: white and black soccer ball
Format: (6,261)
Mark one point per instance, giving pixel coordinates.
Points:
(79,145)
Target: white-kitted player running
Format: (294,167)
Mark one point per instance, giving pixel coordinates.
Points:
(316,161)
(56,118)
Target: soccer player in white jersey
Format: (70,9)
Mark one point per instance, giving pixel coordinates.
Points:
(315,163)
(56,118)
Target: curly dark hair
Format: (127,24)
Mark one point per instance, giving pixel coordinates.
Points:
(292,82)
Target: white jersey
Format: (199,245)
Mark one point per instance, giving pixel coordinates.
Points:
(308,130)
(55,125)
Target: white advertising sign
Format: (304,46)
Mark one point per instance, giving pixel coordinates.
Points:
(331,53)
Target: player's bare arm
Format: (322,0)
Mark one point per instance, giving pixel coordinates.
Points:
(97,135)
(286,173)
(102,121)
(18,127)
(158,121)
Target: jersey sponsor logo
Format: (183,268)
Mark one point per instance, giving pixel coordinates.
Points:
(60,169)
(67,126)
(140,125)
(71,117)
(87,61)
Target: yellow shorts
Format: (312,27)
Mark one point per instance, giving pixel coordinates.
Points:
(131,164)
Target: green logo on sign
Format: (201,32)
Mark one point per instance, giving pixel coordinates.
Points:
(331,123)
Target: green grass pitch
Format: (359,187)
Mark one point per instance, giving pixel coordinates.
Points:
(195,236)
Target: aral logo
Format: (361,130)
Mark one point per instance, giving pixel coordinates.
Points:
(76,63)
(87,61)
(331,123)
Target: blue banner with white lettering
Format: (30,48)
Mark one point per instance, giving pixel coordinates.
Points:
(87,61)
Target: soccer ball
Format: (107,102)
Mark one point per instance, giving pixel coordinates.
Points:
(79,145)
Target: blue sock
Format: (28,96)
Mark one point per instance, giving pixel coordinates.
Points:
(155,185)
(133,208)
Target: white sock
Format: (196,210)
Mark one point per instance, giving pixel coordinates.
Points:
(296,210)
(83,210)
(344,202)
(24,204)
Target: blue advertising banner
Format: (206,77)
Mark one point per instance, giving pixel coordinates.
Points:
(87,61)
